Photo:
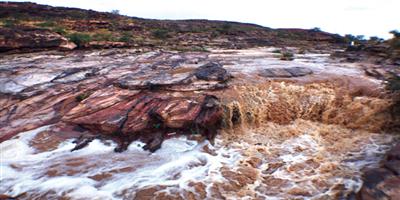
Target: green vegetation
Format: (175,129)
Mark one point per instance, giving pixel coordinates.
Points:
(316,29)
(82,96)
(287,56)
(200,49)
(395,33)
(161,33)
(225,28)
(276,51)
(59,30)
(79,38)
(10,23)
(103,37)
(395,41)
(125,37)
(157,126)
(47,24)
(115,12)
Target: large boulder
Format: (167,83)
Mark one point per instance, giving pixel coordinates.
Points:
(212,72)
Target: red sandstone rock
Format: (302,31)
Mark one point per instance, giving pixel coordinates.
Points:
(149,116)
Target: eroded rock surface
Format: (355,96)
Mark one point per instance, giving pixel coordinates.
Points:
(150,96)
(383,182)
(151,117)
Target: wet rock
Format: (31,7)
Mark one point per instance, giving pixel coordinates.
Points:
(394,166)
(152,81)
(212,72)
(211,76)
(149,117)
(383,182)
(286,72)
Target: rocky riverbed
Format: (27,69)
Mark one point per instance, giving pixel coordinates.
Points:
(223,124)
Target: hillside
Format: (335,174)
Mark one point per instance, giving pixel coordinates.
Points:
(30,27)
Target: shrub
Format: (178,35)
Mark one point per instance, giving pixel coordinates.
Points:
(79,38)
(10,23)
(125,37)
(316,29)
(160,34)
(395,33)
(226,28)
(115,12)
(276,51)
(102,37)
(287,56)
(47,24)
(82,96)
(59,30)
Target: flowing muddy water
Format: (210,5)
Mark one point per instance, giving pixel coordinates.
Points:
(303,160)
(303,137)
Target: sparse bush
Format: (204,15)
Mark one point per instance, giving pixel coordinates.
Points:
(47,24)
(287,56)
(82,96)
(276,51)
(316,29)
(395,41)
(10,23)
(302,51)
(349,38)
(59,30)
(161,34)
(199,49)
(115,12)
(79,38)
(225,28)
(395,33)
(125,37)
(360,37)
(103,37)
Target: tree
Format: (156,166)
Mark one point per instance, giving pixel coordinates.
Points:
(316,29)
(360,37)
(395,33)
(115,12)
(375,39)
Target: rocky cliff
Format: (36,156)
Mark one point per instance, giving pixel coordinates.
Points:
(29,26)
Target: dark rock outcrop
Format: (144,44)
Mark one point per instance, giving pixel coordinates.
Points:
(212,72)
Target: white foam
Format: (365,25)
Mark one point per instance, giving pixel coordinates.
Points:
(178,163)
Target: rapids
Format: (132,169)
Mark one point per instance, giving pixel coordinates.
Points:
(300,137)
(301,160)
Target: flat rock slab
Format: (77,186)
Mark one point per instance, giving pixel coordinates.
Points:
(285,72)
(210,76)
